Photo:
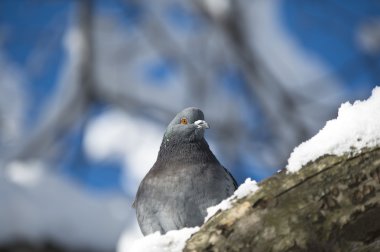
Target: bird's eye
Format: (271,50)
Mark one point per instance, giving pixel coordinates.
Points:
(183,120)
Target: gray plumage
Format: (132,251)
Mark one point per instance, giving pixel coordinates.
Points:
(185,180)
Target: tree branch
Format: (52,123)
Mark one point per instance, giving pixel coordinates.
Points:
(332,204)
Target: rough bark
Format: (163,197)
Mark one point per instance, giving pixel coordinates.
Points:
(332,204)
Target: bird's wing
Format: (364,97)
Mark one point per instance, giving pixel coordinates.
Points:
(232,177)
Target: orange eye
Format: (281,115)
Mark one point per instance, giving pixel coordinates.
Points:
(183,120)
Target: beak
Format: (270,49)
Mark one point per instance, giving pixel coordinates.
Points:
(201,124)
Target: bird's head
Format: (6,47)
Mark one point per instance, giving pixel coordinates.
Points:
(187,125)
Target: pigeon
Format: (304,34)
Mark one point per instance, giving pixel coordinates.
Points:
(184,181)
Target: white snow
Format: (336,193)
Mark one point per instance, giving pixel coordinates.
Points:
(244,189)
(172,241)
(129,237)
(357,126)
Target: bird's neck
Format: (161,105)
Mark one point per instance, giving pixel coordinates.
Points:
(172,150)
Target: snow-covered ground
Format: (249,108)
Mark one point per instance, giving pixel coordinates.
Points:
(357,126)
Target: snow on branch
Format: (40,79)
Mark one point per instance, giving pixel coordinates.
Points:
(356,127)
